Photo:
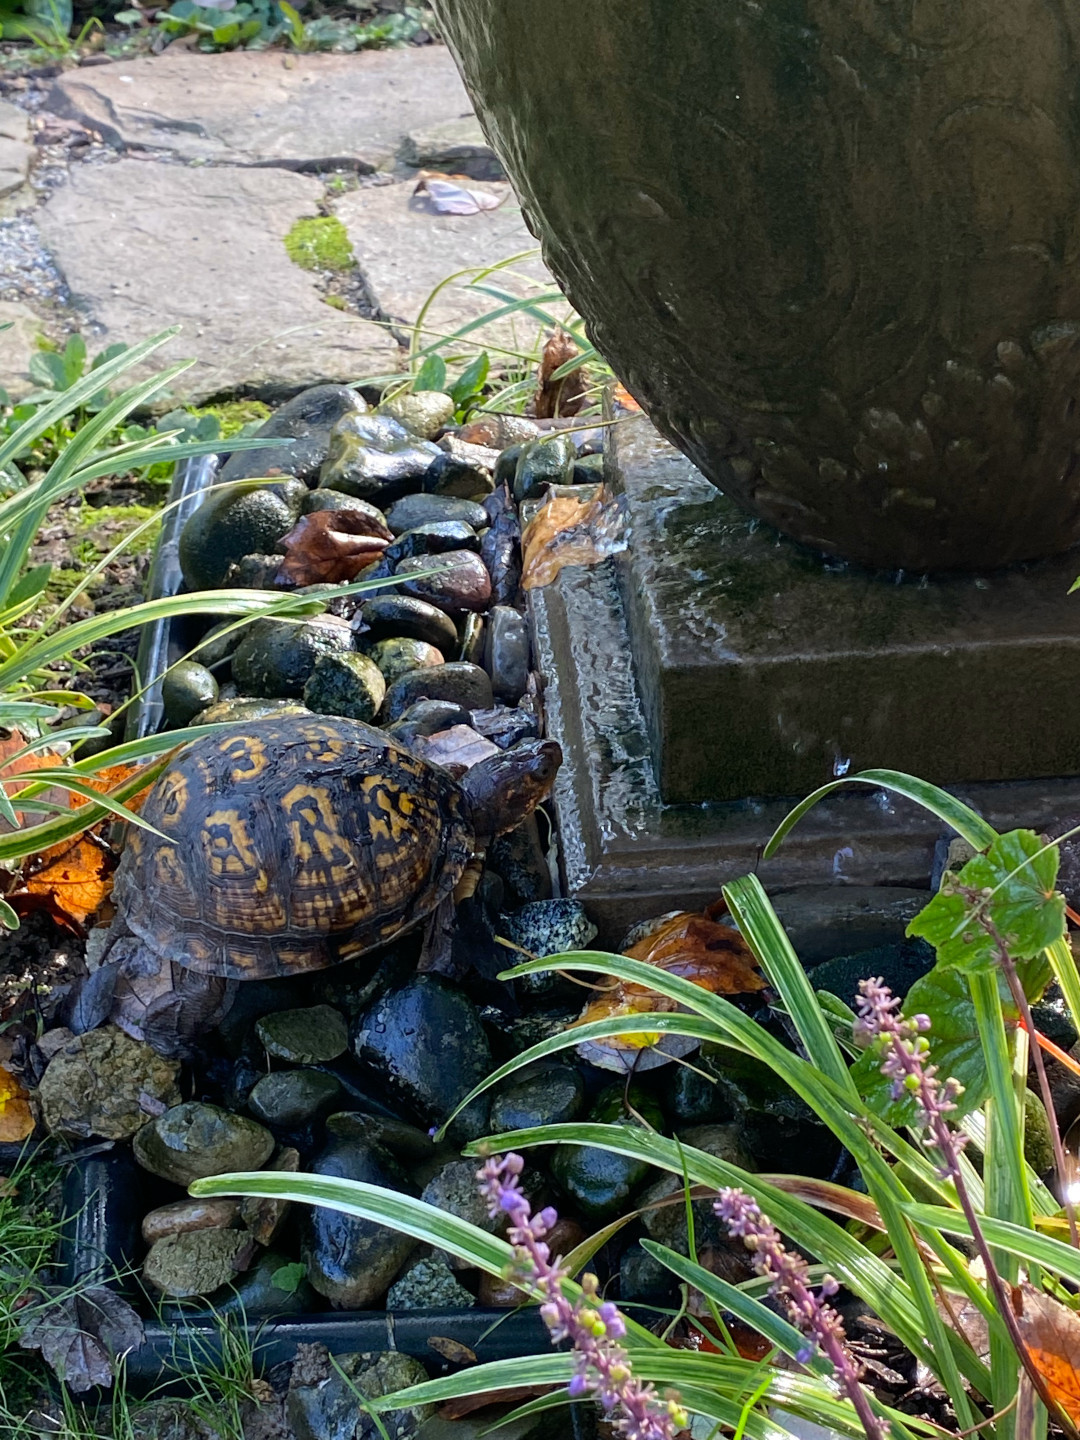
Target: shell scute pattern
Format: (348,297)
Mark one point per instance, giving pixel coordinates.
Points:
(290,846)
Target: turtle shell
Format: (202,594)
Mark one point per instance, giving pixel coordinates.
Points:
(288,846)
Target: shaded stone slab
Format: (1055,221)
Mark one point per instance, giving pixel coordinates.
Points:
(16,151)
(765,670)
(405,248)
(144,245)
(301,112)
(17,346)
(627,854)
(457,147)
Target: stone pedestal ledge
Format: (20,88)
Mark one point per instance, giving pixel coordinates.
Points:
(144,245)
(18,343)
(244,107)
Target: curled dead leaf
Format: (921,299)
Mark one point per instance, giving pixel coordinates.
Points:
(623,399)
(460,745)
(566,395)
(331,547)
(570,530)
(1051,1332)
(16,1116)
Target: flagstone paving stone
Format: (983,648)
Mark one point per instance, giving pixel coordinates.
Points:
(300,112)
(145,244)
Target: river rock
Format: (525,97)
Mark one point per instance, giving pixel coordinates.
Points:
(400,656)
(375,457)
(277,657)
(306,420)
(599,1182)
(352,1262)
(463,684)
(193,1140)
(428,1044)
(423,412)
(183,1216)
(329,1410)
(667,1223)
(588,470)
(242,520)
(547,1096)
(105,1084)
(454,1190)
(456,581)
(693,1098)
(389,617)
(507,463)
(500,550)
(550,927)
(346,683)
(253,572)
(266,1290)
(498,432)
(507,727)
(506,653)
(472,639)
(263,1216)
(644,1280)
(304,1037)
(420,509)
(196,1262)
(429,1284)
(434,538)
(289,1099)
(518,858)
(187,689)
(244,707)
(541,463)
(426,717)
(457,475)
(316,500)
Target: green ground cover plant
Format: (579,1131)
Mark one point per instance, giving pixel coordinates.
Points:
(933,1232)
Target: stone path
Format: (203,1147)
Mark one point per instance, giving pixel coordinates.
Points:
(165,187)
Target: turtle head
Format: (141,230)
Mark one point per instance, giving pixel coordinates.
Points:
(507,787)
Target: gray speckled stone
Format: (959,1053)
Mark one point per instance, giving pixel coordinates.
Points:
(312,1036)
(430,1284)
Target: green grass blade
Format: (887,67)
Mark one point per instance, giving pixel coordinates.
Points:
(1030,1247)
(973,828)
(761,928)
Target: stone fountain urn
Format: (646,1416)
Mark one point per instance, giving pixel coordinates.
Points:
(833,246)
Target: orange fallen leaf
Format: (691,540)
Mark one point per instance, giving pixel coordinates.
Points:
(11,768)
(623,399)
(698,948)
(331,547)
(1051,1332)
(569,530)
(72,880)
(16,1117)
(559,397)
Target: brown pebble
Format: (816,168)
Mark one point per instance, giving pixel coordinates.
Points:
(496,1293)
(183,1216)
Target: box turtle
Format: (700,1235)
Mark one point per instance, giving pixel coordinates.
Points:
(301,841)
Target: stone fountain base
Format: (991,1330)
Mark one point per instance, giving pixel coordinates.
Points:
(714,661)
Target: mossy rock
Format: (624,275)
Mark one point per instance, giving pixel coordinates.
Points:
(186,690)
(320,243)
(244,519)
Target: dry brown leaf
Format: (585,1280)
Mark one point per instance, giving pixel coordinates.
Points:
(331,547)
(1051,1332)
(9,768)
(452,1350)
(624,400)
(16,1117)
(71,881)
(460,745)
(559,397)
(569,530)
(698,948)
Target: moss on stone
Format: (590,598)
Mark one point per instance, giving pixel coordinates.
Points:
(336,301)
(321,243)
(233,415)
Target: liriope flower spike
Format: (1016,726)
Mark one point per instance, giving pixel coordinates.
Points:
(810,1313)
(594,1327)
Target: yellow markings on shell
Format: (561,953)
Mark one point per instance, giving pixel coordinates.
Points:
(309,811)
(172,797)
(169,870)
(386,812)
(247,754)
(228,845)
